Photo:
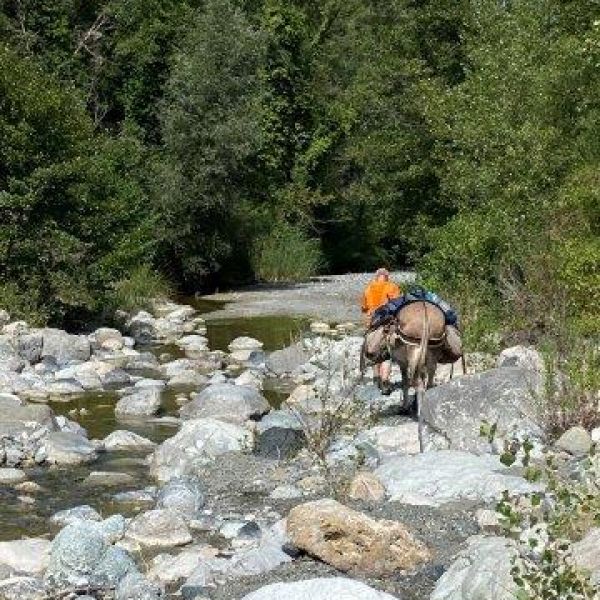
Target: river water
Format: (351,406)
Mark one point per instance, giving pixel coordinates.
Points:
(25,514)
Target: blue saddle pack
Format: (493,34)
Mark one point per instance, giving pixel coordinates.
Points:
(388,311)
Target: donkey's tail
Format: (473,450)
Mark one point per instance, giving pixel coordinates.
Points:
(423,346)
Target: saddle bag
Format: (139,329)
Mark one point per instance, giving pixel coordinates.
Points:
(375,344)
(451,349)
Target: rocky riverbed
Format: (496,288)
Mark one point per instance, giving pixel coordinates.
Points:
(180,457)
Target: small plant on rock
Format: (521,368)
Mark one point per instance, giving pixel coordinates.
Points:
(547,523)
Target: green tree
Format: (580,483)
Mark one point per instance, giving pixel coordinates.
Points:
(73,217)
(212,133)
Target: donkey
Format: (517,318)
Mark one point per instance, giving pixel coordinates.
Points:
(416,347)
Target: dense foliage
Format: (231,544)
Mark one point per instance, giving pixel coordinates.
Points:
(202,141)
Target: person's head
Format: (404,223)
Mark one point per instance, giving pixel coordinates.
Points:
(382,274)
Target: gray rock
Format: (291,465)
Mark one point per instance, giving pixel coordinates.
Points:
(521,356)
(114,566)
(4,317)
(142,361)
(576,441)
(81,556)
(126,440)
(108,339)
(13,419)
(143,403)
(256,561)
(159,528)
(23,588)
(9,401)
(198,441)
(182,494)
(146,496)
(437,478)
(136,587)
(28,557)
(142,327)
(482,570)
(227,402)
(586,554)
(64,347)
(381,441)
(78,513)
(454,412)
(279,435)
(63,448)
(11,476)
(283,362)
(324,588)
(29,346)
(113,528)
(115,379)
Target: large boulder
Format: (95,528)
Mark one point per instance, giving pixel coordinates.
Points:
(81,556)
(29,346)
(64,347)
(437,478)
(63,448)
(227,402)
(30,556)
(198,441)
(324,588)
(454,412)
(279,435)
(480,571)
(143,403)
(352,541)
(159,528)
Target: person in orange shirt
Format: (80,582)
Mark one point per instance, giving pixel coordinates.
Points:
(379,291)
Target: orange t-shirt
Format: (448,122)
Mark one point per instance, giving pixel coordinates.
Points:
(378,293)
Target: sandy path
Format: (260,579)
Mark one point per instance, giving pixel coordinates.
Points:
(334,298)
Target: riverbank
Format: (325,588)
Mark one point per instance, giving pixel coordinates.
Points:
(149,464)
(333,298)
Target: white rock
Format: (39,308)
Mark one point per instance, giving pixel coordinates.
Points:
(227,402)
(437,478)
(9,476)
(480,571)
(159,528)
(30,556)
(126,440)
(330,588)
(198,441)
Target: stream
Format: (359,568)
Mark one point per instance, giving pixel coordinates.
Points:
(27,513)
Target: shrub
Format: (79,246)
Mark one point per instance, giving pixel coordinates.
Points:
(571,386)
(139,289)
(286,254)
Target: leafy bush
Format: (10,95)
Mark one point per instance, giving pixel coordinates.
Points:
(286,254)
(544,526)
(571,386)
